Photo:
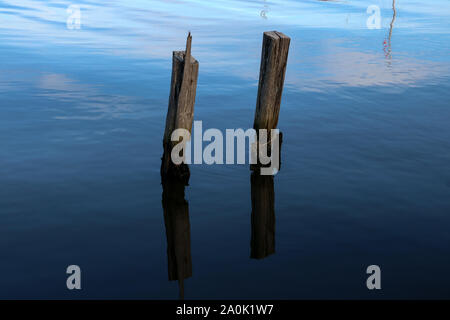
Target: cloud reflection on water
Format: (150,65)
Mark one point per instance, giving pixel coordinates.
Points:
(224,30)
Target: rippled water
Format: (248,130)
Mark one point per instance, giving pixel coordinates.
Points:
(365,176)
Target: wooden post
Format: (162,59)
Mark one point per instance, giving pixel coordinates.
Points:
(180,112)
(271,79)
(274,57)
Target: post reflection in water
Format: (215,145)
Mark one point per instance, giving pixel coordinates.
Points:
(178,233)
(263,216)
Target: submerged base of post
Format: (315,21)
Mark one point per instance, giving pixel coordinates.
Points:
(171,171)
(258,165)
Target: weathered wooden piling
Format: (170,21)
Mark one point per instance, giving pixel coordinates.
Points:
(274,56)
(180,112)
(262,242)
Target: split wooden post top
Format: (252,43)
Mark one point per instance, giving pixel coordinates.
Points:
(183,88)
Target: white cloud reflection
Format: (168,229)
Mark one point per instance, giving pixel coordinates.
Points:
(90,102)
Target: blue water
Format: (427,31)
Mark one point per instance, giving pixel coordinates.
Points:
(365,175)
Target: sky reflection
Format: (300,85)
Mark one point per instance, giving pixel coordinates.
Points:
(224,30)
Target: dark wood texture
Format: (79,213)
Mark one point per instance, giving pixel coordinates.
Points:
(274,58)
(180,111)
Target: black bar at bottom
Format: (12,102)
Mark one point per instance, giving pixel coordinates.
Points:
(227,309)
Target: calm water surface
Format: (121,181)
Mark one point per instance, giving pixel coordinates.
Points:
(365,176)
